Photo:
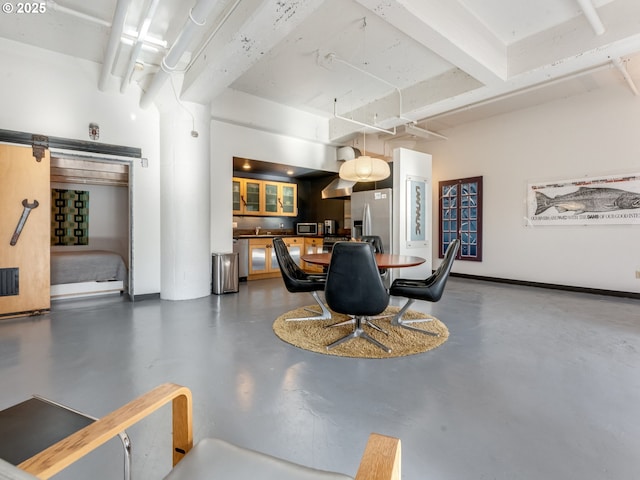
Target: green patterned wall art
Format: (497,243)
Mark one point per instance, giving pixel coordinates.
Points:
(69,217)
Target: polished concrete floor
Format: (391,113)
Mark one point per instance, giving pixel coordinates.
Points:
(532,383)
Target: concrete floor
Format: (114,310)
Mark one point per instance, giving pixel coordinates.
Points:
(532,383)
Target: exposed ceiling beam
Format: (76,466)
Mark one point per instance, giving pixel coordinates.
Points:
(255,28)
(449,30)
(385,113)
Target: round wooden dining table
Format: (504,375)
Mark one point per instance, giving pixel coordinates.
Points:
(383,260)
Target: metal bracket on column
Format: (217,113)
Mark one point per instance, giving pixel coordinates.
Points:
(39,143)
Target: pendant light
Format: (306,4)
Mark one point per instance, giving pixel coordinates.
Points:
(364,168)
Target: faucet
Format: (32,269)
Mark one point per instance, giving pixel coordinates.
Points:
(257,230)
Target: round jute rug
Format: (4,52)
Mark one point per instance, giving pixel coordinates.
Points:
(313,335)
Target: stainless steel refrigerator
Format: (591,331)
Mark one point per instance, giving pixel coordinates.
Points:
(371,214)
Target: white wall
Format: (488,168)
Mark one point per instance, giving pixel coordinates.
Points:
(409,164)
(228,141)
(108,219)
(587,135)
(50,94)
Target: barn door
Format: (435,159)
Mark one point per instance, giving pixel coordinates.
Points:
(24,255)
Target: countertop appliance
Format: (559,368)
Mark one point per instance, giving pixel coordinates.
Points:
(307,229)
(330,227)
(371,214)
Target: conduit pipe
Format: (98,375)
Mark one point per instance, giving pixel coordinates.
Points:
(619,64)
(51,5)
(213,33)
(362,124)
(592,16)
(197,18)
(117,27)
(135,52)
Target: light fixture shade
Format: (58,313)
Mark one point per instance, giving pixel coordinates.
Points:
(365,169)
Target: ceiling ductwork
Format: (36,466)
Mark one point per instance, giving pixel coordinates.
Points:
(339,188)
(347,153)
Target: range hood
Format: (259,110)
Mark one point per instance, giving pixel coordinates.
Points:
(338,188)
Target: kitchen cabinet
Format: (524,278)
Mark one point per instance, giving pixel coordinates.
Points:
(295,245)
(312,245)
(247,196)
(263,262)
(280,199)
(262,258)
(264,198)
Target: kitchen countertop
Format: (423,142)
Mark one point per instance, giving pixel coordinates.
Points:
(273,235)
(244,233)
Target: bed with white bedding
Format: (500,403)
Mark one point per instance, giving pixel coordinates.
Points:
(86,272)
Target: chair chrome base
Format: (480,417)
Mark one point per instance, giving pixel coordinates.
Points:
(364,321)
(397,321)
(324,314)
(358,332)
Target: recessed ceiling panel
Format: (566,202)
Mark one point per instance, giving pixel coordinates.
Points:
(342,51)
(514,20)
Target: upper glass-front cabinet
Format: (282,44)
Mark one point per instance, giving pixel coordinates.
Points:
(253,189)
(261,197)
(247,195)
(270,198)
(280,199)
(289,199)
(237,195)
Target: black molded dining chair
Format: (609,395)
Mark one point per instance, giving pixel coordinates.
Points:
(297,280)
(429,289)
(378,247)
(354,287)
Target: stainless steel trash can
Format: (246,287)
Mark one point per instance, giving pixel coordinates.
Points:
(224,273)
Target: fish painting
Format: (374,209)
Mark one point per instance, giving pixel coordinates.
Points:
(587,199)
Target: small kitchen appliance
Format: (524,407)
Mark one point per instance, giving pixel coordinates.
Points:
(307,229)
(330,227)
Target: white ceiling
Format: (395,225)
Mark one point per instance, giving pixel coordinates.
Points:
(387,63)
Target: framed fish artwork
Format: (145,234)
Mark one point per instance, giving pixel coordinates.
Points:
(608,200)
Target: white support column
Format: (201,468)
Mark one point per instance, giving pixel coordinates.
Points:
(411,165)
(185,205)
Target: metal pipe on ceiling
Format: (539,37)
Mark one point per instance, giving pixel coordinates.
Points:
(135,52)
(197,18)
(51,5)
(117,27)
(592,16)
(362,124)
(619,64)
(213,33)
